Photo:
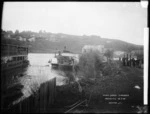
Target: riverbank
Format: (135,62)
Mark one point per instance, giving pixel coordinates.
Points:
(122,91)
(115,79)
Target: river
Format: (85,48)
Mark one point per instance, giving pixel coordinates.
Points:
(38,72)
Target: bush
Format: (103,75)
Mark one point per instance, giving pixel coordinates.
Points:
(90,64)
(111,68)
(70,76)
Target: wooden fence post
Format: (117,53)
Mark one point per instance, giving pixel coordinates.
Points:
(41,97)
(20,107)
(45,96)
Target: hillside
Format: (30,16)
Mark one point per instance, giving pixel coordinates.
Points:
(46,42)
(75,43)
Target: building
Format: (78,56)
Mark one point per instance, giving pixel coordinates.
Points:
(88,48)
(21,38)
(31,39)
(137,52)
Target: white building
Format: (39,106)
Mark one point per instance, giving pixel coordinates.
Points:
(88,48)
(32,39)
(21,38)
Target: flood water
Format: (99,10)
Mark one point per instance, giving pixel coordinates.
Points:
(38,72)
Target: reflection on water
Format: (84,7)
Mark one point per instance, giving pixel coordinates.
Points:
(38,72)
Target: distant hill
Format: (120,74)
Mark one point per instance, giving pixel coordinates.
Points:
(76,43)
(46,42)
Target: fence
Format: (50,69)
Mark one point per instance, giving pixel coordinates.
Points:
(41,101)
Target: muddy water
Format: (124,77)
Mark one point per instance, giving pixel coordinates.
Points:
(38,72)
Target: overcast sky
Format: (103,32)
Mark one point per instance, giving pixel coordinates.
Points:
(117,20)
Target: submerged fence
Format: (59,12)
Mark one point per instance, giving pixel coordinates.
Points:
(41,101)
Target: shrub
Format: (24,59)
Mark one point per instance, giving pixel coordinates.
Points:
(111,68)
(90,64)
(70,76)
(109,54)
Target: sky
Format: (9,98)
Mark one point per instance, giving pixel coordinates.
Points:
(116,20)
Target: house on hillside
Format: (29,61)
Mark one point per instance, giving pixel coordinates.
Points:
(31,39)
(136,54)
(7,36)
(137,51)
(119,52)
(88,48)
(32,35)
(139,54)
(21,38)
(118,55)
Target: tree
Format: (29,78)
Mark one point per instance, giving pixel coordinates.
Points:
(17,32)
(40,32)
(90,64)
(109,54)
(139,55)
(10,32)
